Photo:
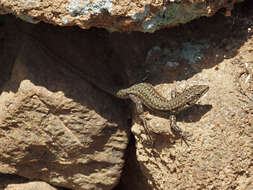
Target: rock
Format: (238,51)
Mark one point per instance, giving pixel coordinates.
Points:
(7,179)
(30,186)
(52,128)
(219,155)
(114,15)
(220,138)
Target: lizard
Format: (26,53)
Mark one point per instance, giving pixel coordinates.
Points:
(145,94)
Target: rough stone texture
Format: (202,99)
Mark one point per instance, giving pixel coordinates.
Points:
(115,15)
(7,179)
(36,185)
(220,128)
(216,51)
(220,143)
(53,129)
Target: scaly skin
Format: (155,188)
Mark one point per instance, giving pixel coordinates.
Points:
(153,100)
(145,93)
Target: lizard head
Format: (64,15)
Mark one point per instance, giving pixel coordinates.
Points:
(194,93)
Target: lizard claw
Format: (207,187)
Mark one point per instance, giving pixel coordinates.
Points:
(145,125)
(178,132)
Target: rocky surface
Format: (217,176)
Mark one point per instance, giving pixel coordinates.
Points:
(54,129)
(115,15)
(57,128)
(220,143)
(7,179)
(30,186)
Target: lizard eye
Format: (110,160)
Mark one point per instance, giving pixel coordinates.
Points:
(188,103)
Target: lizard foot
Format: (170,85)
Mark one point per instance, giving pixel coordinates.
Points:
(176,130)
(145,125)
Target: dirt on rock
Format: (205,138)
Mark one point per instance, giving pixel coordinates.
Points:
(74,135)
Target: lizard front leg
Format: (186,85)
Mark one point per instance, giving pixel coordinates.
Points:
(140,112)
(176,130)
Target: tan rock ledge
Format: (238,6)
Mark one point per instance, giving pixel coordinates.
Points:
(115,15)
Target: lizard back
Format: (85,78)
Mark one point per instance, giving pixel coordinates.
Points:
(153,100)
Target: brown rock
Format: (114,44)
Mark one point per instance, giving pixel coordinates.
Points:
(220,142)
(6,179)
(52,129)
(220,151)
(115,15)
(36,185)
